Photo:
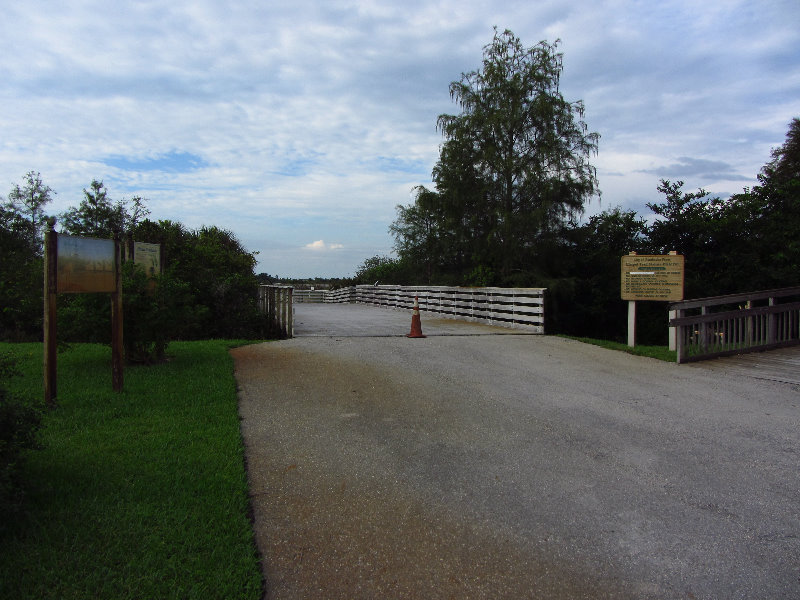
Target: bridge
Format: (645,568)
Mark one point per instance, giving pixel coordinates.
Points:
(358,320)
(739,326)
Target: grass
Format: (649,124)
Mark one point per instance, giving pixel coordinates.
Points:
(141,494)
(657,352)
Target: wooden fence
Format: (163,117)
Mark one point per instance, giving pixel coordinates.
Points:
(735,324)
(276,302)
(309,296)
(511,307)
(341,296)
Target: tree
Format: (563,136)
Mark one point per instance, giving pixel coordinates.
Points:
(21,222)
(585,297)
(379,269)
(94,216)
(744,243)
(29,201)
(696,226)
(785,164)
(769,216)
(98,216)
(20,278)
(515,161)
(419,233)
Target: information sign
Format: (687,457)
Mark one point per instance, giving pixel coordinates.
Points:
(85,265)
(148,256)
(652,277)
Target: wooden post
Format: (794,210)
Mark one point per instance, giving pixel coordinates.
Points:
(632,323)
(273,321)
(290,314)
(772,324)
(672,331)
(50,366)
(703,331)
(117,349)
(680,345)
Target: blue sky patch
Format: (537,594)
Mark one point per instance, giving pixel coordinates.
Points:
(172,162)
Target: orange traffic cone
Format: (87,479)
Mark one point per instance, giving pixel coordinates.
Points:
(416,324)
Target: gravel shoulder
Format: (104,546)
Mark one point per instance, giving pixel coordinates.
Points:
(514,466)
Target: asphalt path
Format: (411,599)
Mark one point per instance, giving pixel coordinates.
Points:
(512,466)
(359,320)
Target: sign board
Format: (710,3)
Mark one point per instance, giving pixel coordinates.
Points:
(75,265)
(85,265)
(652,277)
(148,256)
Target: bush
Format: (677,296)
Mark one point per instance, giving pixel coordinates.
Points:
(19,422)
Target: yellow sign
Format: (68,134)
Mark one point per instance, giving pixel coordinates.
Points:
(652,277)
(85,265)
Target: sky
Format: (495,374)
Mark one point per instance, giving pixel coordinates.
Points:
(301,125)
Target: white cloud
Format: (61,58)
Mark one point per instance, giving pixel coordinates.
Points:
(321,245)
(314,120)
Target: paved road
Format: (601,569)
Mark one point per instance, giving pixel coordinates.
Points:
(515,466)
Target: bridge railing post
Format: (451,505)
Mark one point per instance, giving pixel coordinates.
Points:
(289,312)
(772,322)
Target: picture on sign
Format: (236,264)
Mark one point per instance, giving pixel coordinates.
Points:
(652,277)
(148,256)
(85,265)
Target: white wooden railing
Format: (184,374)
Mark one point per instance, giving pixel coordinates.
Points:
(275,301)
(342,295)
(511,307)
(309,296)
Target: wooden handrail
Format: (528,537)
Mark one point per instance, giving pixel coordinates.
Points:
(734,298)
(748,329)
(732,314)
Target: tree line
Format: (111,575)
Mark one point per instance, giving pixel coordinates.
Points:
(511,183)
(207,289)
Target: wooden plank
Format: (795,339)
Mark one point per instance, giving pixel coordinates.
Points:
(775,365)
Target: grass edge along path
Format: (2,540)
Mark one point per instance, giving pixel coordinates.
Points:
(141,494)
(657,352)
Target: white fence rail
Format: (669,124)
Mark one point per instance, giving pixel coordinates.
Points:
(309,296)
(342,295)
(275,301)
(511,307)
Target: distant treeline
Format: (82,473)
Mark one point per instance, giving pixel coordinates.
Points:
(305,283)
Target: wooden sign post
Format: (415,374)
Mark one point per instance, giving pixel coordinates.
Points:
(80,265)
(50,293)
(117,349)
(650,277)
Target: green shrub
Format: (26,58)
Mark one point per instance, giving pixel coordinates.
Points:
(19,422)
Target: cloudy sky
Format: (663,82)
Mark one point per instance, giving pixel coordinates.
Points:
(300,125)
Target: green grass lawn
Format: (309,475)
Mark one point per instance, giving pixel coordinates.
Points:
(141,494)
(658,352)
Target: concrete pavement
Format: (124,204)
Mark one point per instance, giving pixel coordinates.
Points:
(360,320)
(515,466)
